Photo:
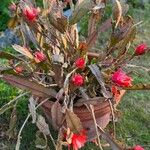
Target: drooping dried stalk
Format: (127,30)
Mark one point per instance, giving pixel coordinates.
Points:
(94,119)
(113,118)
(9,104)
(23,125)
(106,137)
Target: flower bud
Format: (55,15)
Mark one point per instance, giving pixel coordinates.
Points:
(19,69)
(140,50)
(39,56)
(80,63)
(77,80)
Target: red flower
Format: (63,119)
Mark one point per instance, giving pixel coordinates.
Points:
(30,13)
(78,140)
(39,57)
(80,63)
(138,147)
(77,79)
(121,79)
(19,69)
(140,49)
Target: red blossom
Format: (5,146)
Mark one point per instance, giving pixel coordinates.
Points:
(80,63)
(77,80)
(39,57)
(121,79)
(19,69)
(78,140)
(138,147)
(30,13)
(140,49)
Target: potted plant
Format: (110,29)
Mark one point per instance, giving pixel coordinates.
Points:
(77,89)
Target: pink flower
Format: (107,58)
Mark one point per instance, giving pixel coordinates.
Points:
(80,63)
(39,57)
(121,79)
(78,140)
(19,69)
(77,80)
(30,13)
(140,49)
(138,147)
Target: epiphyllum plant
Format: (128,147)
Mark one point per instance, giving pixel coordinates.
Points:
(78,90)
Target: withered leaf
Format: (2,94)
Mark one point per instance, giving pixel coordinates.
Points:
(32,108)
(92,101)
(12,131)
(29,34)
(42,125)
(97,73)
(57,115)
(25,84)
(58,70)
(104,27)
(80,10)
(40,141)
(73,122)
(117,12)
(23,50)
(13,22)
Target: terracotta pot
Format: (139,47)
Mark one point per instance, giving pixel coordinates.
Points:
(102,113)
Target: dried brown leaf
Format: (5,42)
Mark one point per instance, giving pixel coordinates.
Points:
(13,22)
(41,142)
(25,84)
(23,50)
(58,77)
(117,12)
(97,73)
(92,39)
(12,131)
(42,125)
(57,115)
(80,10)
(32,108)
(73,122)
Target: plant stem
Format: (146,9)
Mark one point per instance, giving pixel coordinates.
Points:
(94,119)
